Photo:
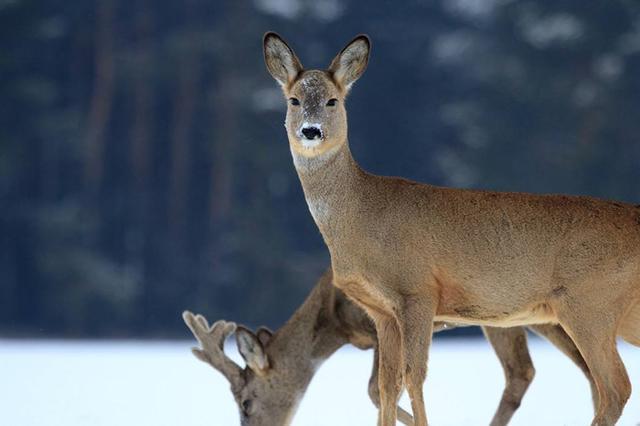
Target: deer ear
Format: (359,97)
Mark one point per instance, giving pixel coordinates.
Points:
(264,334)
(281,62)
(251,350)
(351,62)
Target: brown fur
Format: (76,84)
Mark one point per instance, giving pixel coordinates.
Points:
(326,321)
(412,253)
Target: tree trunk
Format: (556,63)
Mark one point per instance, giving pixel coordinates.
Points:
(142,98)
(102,97)
(185,102)
(226,106)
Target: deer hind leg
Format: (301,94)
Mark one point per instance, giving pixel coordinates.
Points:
(389,372)
(593,330)
(630,326)
(561,340)
(510,345)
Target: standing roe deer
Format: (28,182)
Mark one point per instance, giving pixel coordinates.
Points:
(411,253)
(280,366)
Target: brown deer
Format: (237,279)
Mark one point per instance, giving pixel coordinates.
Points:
(411,253)
(280,366)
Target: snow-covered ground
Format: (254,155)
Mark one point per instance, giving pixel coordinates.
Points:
(50,383)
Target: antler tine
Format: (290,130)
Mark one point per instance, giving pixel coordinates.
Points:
(211,340)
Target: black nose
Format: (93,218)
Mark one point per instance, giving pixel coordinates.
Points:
(311,133)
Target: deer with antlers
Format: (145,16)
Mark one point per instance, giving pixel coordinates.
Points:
(410,254)
(280,365)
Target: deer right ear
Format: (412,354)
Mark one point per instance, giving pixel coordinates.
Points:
(281,62)
(264,334)
(251,350)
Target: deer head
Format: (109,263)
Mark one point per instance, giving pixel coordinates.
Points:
(316,116)
(267,394)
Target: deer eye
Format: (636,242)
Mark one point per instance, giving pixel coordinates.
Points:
(294,101)
(246,407)
(332,102)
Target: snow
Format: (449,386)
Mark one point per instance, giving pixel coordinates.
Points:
(160,383)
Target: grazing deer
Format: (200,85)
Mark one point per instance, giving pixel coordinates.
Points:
(411,254)
(280,366)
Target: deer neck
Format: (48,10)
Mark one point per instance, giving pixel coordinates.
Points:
(310,336)
(329,182)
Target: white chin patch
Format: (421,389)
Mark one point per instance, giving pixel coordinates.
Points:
(310,143)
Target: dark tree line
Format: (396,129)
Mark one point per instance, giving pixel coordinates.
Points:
(144,168)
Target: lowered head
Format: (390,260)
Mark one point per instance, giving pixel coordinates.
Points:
(266,392)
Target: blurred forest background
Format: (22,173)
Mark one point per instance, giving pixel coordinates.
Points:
(144,168)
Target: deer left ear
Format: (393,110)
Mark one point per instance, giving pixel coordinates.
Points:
(351,62)
(251,350)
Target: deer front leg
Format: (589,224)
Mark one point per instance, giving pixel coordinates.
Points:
(374,392)
(510,345)
(416,325)
(389,372)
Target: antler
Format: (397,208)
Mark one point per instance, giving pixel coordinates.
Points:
(211,340)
